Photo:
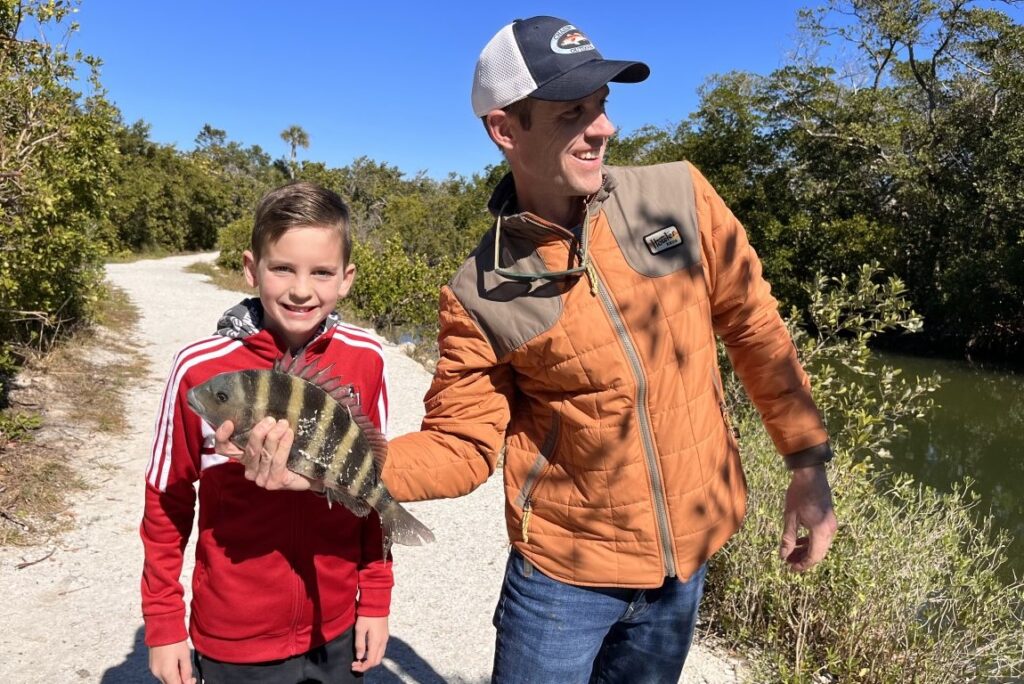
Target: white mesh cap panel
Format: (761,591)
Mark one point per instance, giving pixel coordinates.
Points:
(501,76)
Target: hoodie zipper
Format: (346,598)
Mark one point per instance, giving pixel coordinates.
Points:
(643,418)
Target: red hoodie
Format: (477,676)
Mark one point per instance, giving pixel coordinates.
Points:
(276,573)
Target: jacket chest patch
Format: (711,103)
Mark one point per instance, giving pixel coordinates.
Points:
(663,239)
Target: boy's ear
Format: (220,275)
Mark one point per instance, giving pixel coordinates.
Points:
(501,129)
(249,266)
(348,277)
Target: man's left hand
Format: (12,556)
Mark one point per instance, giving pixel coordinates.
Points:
(808,506)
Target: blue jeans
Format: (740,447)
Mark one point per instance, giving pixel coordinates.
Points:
(549,631)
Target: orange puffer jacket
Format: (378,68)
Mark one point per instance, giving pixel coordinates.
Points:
(603,386)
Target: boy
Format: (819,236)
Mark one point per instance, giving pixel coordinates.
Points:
(285,588)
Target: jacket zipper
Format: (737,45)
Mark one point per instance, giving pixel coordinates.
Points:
(646,437)
(532,480)
(731,430)
(298,586)
(538,471)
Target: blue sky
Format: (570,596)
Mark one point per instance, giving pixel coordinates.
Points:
(391,80)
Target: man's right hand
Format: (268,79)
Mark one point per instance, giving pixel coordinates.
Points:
(265,456)
(172,663)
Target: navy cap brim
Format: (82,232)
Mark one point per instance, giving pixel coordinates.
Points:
(589,77)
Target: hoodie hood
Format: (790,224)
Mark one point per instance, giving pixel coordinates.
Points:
(245,319)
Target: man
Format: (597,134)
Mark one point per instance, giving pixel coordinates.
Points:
(578,340)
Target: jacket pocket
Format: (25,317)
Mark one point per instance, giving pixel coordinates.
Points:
(731,431)
(535,475)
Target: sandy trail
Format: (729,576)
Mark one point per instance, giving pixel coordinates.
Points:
(75,617)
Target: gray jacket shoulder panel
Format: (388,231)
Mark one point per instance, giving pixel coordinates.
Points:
(652,214)
(509,312)
(647,203)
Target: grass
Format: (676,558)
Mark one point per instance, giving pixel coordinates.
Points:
(909,592)
(222,278)
(64,399)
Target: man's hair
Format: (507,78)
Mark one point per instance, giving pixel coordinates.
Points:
(522,110)
(299,205)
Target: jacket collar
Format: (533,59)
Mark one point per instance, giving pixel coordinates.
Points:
(503,202)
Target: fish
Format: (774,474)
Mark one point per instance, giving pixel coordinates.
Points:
(334,440)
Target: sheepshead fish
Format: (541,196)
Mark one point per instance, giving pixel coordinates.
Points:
(334,441)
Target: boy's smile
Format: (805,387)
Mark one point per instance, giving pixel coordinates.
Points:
(300,278)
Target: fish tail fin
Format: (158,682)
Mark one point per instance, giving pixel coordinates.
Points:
(402,528)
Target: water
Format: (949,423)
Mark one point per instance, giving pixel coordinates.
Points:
(977,431)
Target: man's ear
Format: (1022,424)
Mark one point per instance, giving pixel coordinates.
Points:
(501,128)
(249,266)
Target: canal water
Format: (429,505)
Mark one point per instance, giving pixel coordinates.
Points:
(976,431)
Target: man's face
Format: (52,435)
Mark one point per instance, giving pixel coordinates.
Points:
(559,158)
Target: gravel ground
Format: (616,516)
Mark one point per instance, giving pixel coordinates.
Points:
(75,616)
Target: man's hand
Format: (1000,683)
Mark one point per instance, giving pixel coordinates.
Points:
(172,663)
(265,456)
(371,635)
(808,506)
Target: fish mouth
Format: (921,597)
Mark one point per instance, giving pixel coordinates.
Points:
(193,402)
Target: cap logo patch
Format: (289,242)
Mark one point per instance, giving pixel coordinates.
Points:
(663,239)
(569,40)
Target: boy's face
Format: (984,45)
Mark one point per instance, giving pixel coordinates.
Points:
(300,278)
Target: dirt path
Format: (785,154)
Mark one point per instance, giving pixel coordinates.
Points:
(75,616)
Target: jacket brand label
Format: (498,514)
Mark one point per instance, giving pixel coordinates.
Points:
(663,239)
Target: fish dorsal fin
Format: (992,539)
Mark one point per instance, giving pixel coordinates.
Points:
(378,442)
(300,368)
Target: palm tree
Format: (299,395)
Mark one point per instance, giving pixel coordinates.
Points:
(296,137)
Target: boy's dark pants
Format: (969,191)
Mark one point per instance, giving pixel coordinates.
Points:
(330,662)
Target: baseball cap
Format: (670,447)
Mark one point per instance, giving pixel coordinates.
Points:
(546,58)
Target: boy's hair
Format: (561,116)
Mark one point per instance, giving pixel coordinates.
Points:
(299,205)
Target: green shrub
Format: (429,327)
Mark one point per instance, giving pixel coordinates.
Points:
(232,240)
(55,176)
(393,289)
(909,590)
(15,426)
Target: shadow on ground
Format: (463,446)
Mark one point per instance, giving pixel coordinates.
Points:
(401,664)
(135,667)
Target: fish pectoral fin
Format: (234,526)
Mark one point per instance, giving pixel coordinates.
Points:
(359,508)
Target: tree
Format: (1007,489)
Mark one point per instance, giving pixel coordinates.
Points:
(210,137)
(57,153)
(296,137)
(910,151)
(920,135)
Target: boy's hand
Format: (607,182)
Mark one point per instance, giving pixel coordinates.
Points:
(371,635)
(172,663)
(265,456)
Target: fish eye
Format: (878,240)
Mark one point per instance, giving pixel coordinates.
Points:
(221,397)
